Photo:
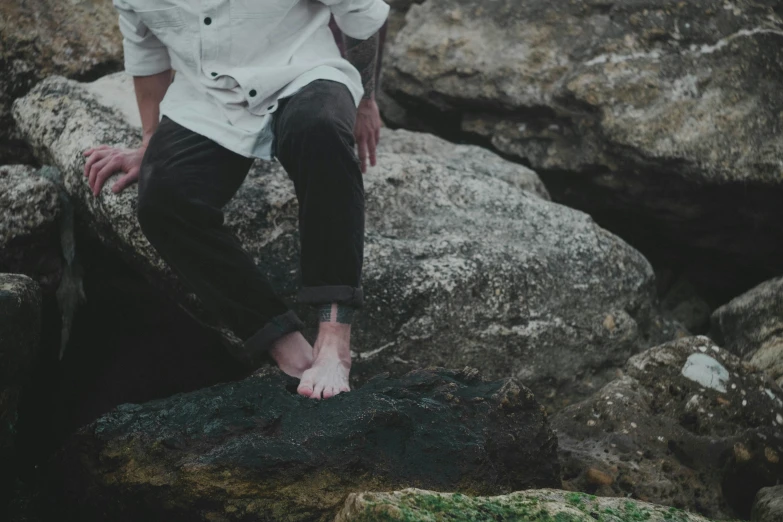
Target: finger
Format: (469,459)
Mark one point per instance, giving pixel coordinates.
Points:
(128,179)
(95,169)
(362,144)
(93,159)
(93,149)
(105,173)
(371,146)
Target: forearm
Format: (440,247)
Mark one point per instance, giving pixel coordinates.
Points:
(363,54)
(150,91)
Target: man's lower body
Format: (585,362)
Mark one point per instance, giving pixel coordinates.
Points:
(187,178)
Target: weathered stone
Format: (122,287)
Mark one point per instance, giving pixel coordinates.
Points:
(689,425)
(30,226)
(769,505)
(255,450)
(20,332)
(466,262)
(654,116)
(751,326)
(542,505)
(79,39)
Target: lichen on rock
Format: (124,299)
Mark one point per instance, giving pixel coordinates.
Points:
(483,271)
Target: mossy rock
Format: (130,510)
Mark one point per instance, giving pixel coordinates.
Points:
(542,505)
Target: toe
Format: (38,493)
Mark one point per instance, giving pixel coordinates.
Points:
(318,391)
(329,392)
(305,389)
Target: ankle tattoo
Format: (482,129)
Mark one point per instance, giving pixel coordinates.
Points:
(335,313)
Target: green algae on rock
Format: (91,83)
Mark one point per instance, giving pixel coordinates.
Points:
(255,450)
(543,505)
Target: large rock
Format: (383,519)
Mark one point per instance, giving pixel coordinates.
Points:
(655,116)
(543,505)
(20,333)
(769,505)
(466,262)
(255,450)
(79,39)
(689,425)
(751,326)
(30,225)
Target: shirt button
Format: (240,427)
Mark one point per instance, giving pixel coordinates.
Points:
(207,20)
(214,74)
(252,92)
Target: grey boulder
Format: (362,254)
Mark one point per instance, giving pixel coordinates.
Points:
(20,335)
(769,505)
(661,117)
(30,225)
(689,425)
(79,39)
(751,326)
(466,261)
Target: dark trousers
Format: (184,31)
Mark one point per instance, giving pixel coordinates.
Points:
(187,178)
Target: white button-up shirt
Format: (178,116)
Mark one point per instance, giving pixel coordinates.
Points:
(236,58)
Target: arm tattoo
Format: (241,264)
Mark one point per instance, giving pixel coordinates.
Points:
(363,54)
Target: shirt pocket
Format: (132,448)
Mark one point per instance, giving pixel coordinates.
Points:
(260,8)
(162,18)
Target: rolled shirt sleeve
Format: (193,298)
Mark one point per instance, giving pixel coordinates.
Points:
(359,19)
(145,54)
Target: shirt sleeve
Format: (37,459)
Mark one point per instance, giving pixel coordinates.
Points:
(359,19)
(145,55)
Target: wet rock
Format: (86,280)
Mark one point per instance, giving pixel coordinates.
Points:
(654,116)
(751,326)
(689,425)
(769,505)
(466,262)
(541,504)
(79,39)
(255,450)
(20,332)
(30,226)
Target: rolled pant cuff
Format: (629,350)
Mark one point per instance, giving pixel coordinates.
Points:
(258,345)
(344,295)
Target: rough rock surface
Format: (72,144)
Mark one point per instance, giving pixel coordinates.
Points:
(466,262)
(769,505)
(689,425)
(30,225)
(654,116)
(79,39)
(542,505)
(20,331)
(255,450)
(751,326)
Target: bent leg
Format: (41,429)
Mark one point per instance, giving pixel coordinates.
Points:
(314,142)
(185,181)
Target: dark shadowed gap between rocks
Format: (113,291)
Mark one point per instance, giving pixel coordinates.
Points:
(129,344)
(671,249)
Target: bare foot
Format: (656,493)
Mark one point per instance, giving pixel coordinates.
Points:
(293,354)
(328,375)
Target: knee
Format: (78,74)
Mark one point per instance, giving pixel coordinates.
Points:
(316,129)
